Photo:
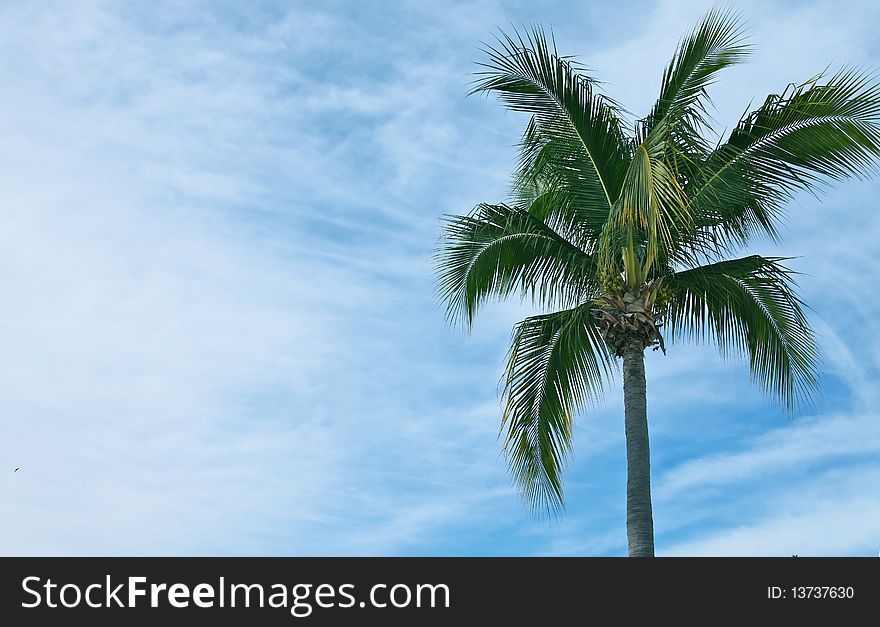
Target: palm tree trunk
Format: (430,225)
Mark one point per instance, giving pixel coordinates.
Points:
(639,518)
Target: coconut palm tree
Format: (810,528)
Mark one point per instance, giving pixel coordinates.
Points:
(630,235)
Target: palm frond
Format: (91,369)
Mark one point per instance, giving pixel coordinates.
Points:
(749,306)
(716,43)
(797,140)
(556,365)
(672,134)
(576,125)
(498,250)
(650,208)
(558,166)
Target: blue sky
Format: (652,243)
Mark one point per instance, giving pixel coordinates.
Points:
(218,328)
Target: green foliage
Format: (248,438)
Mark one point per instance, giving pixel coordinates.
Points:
(716,43)
(749,307)
(498,250)
(807,135)
(556,364)
(598,212)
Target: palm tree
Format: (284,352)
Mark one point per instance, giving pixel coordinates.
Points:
(626,235)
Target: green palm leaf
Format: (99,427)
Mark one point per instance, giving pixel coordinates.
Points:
(498,250)
(582,127)
(556,365)
(748,306)
(808,134)
(556,167)
(651,207)
(716,43)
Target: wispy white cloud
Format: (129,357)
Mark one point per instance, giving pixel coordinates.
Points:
(792,450)
(827,514)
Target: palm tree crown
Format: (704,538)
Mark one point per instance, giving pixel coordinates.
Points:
(630,234)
